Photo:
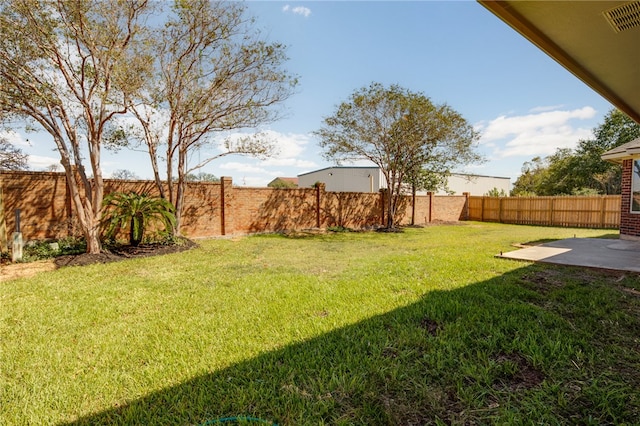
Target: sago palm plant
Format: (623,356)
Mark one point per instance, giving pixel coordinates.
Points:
(135,212)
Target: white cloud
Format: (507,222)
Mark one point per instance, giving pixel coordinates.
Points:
(534,134)
(288,162)
(39,162)
(288,146)
(14,138)
(236,166)
(253,181)
(35,162)
(289,159)
(297,10)
(545,108)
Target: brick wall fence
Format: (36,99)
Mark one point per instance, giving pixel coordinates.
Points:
(217,209)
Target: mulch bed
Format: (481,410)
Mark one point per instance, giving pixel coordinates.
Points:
(124,252)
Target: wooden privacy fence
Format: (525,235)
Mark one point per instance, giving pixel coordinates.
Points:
(571,211)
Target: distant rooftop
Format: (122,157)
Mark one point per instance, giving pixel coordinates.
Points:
(623,152)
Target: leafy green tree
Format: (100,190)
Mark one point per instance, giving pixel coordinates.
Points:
(401,132)
(424,180)
(495,192)
(214,73)
(66,67)
(559,179)
(556,174)
(617,129)
(135,212)
(282,184)
(580,171)
(532,173)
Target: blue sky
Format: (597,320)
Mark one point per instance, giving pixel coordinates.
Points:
(455,52)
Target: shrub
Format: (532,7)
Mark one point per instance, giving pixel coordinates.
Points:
(47,249)
(135,212)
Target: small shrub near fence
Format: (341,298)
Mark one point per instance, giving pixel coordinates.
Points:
(572,211)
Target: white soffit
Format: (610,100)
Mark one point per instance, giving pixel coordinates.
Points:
(598,41)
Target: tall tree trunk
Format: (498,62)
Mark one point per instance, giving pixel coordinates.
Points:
(156,172)
(152,148)
(89,221)
(390,209)
(179,201)
(92,237)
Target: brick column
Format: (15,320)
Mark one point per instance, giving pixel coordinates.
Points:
(430,218)
(226,206)
(320,189)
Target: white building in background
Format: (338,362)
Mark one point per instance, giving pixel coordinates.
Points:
(345,179)
(371,179)
(459,183)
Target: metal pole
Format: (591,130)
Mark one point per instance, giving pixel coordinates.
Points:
(17,220)
(16,252)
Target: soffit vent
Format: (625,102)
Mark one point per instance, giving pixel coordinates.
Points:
(624,17)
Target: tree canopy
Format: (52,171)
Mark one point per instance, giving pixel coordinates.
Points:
(73,68)
(403,133)
(67,67)
(215,72)
(581,170)
(124,174)
(12,157)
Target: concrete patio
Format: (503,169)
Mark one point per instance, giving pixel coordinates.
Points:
(622,255)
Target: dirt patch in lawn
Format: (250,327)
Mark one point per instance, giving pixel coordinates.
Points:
(430,325)
(547,280)
(544,281)
(19,270)
(524,374)
(9,271)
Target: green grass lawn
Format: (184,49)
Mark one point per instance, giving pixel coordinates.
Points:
(422,327)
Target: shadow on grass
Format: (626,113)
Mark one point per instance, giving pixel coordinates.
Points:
(496,351)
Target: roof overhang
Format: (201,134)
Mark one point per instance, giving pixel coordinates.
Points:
(582,37)
(627,151)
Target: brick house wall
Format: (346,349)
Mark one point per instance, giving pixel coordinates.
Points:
(629,222)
